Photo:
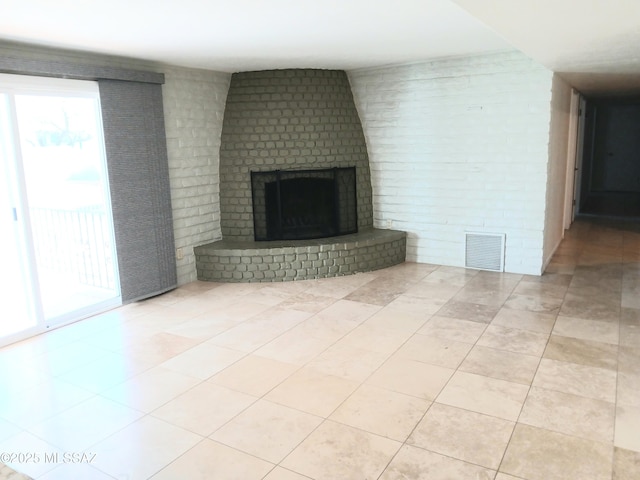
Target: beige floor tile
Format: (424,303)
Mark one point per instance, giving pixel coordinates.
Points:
(534,303)
(253,334)
(630,335)
(337,320)
(71,432)
(390,318)
(591,303)
(513,340)
(490,295)
(548,278)
(340,287)
(156,348)
(7,430)
(254,375)
(509,366)
(313,392)
(62,360)
(538,454)
(280,473)
(211,460)
(151,389)
(570,414)
(630,316)
(204,327)
(468,436)
(74,471)
(416,305)
(584,352)
(203,361)
(16,380)
(41,402)
(629,360)
(418,464)
(626,464)
(379,291)
(348,362)
(627,434)
(411,377)
(593,330)
(295,347)
(433,350)
(628,389)
(105,373)
(542,289)
(591,382)
(441,290)
(307,302)
(453,329)
(381,411)
(142,448)
(375,339)
(451,276)
(486,395)
(53,378)
(267,430)
(27,443)
(504,476)
(335,451)
(204,408)
(525,320)
(474,312)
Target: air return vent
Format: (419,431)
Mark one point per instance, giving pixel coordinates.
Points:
(485,251)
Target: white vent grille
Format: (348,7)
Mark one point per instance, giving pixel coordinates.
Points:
(485,251)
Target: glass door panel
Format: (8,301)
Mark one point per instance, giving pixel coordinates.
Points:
(55,210)
(66,189)
(15,282)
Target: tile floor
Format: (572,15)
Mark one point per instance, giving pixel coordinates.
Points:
(412,372)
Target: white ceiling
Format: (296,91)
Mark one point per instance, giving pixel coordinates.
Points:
(593,42)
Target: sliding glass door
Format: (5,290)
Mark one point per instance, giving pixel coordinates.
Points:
(55,204)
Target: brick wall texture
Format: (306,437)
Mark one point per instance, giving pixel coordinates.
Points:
(287,119)
(459,145)
(193,107)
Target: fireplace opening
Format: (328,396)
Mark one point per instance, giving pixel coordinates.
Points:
(304,204)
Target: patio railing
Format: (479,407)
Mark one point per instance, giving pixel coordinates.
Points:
(76,242)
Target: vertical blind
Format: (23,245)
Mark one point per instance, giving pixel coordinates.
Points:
(134,134)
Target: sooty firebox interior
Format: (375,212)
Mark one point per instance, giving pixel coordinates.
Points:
(304,204)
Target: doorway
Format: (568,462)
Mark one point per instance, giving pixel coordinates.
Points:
(55,206)
(610,183)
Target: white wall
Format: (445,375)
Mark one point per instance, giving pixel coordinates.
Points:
(194,102)
(557,167)
(457,145)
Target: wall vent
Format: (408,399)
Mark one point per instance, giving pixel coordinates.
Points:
(485,251)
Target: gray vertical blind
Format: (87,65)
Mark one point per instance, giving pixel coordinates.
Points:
(135,142)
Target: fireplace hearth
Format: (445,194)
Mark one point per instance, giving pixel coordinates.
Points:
(304,204)
(295,183)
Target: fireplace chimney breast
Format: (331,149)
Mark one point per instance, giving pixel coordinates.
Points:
(295,119)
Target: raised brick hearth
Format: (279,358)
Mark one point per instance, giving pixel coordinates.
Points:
(237,261)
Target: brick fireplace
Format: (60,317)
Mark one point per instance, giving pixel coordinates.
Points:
(292,121)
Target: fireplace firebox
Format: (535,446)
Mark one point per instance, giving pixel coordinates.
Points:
(304,204)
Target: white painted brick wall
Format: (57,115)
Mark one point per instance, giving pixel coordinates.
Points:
(459,145)
(194,103)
